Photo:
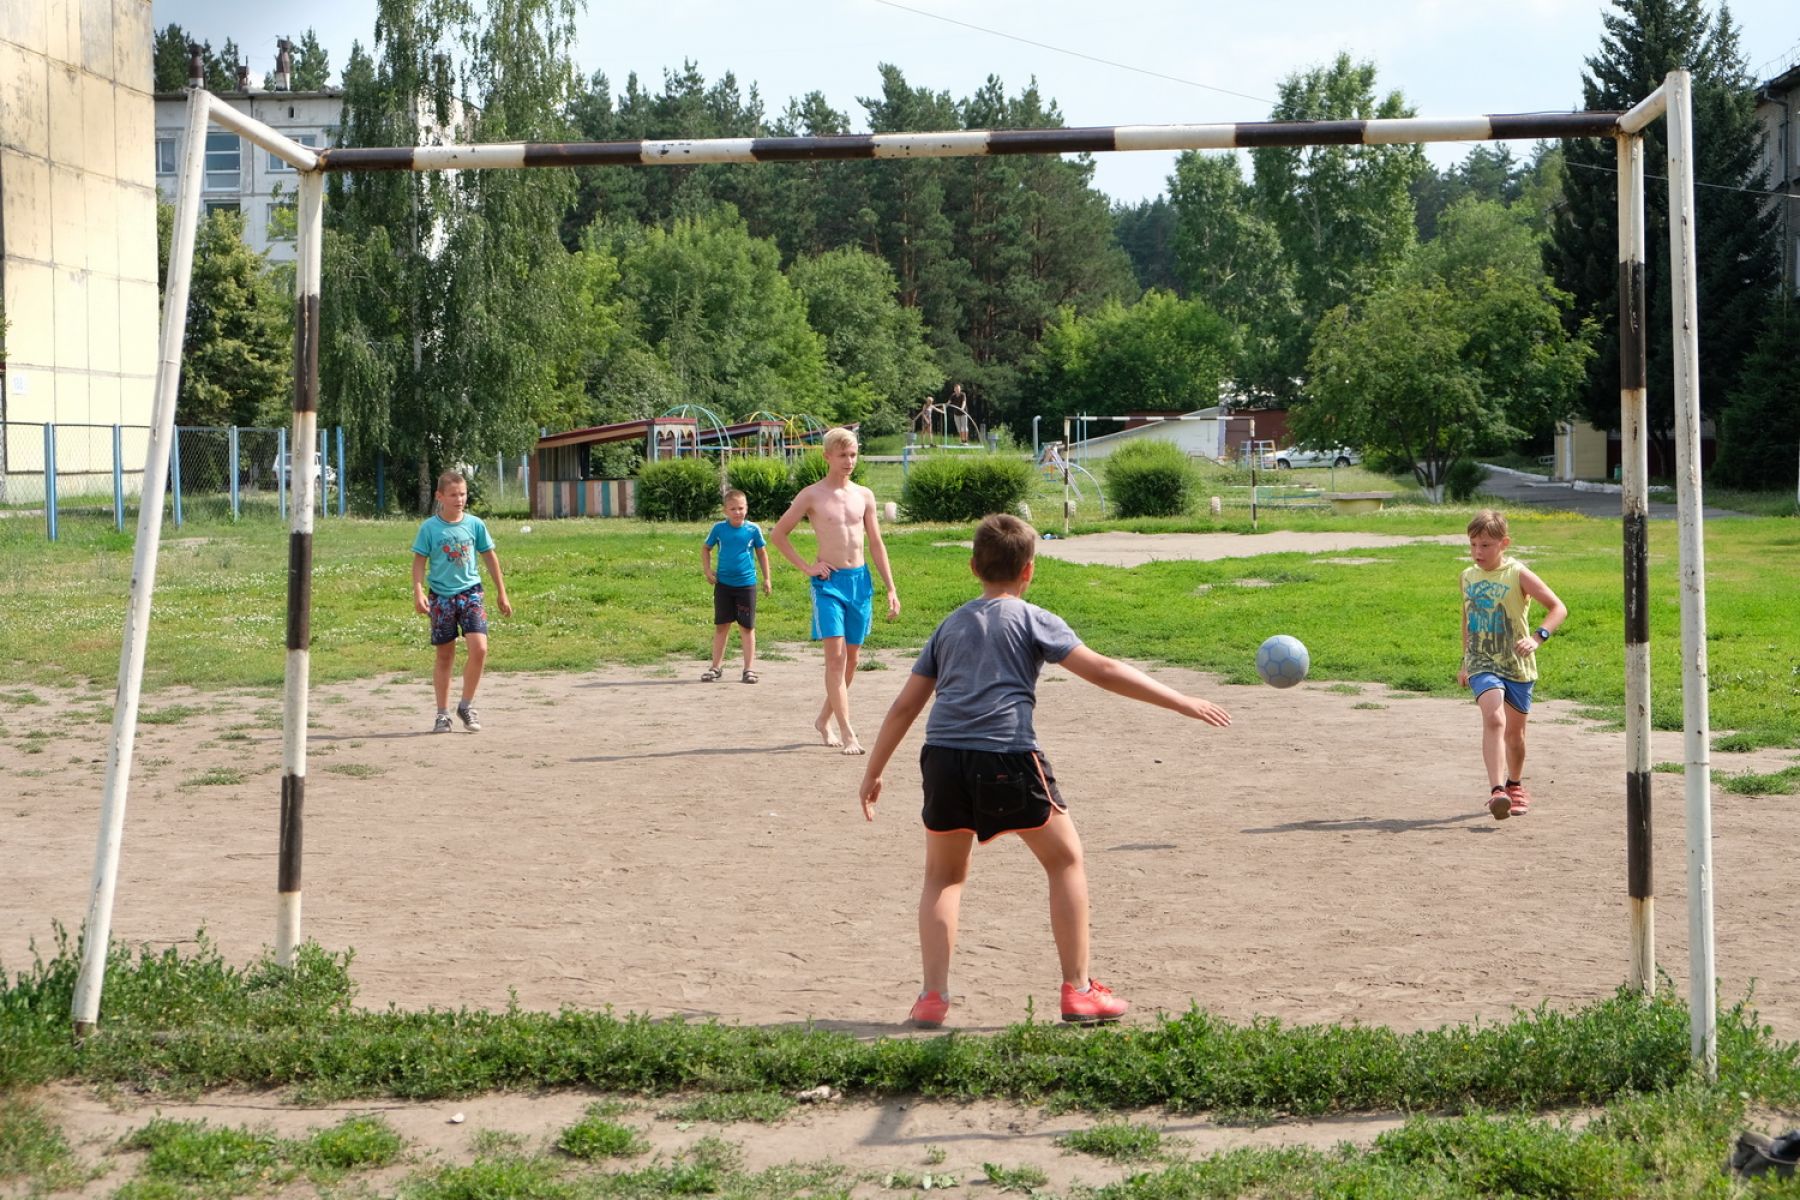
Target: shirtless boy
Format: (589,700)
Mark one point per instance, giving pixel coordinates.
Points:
(842,515)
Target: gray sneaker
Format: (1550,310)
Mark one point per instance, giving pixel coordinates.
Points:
(470,719)
(442,724)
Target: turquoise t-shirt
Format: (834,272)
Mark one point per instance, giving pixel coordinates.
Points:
(737,566)
(451,550)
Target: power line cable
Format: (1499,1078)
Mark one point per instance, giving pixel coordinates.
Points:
(1106,62)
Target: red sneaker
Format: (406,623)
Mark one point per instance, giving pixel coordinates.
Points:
(1093,1006)
(929,1010)
(1499,803)
(1518,800)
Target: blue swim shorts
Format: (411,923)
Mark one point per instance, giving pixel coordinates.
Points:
(843,605)
(1518,692)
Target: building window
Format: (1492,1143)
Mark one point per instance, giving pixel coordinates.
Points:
(213,206)
(165,156)
(305,139)
(284,219)
(224,157)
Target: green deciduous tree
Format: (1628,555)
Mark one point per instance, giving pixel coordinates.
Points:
(1161,353)
(1736,262)
(876,347)
(713,304)
(1759,432)
(237,353)
(1344,213)
(1462,349)
(1229,256)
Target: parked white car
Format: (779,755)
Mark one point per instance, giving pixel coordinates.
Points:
(1294,456)
(282,463)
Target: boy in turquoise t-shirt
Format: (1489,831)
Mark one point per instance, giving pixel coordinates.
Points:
(444,552)
(734,583)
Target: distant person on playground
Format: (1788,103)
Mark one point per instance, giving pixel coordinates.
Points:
(842,514)
(957,406)
(984,774)
(927,418)
(1500,655)
(741,551)
(444,554)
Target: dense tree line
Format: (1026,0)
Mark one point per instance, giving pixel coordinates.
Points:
(1428,314)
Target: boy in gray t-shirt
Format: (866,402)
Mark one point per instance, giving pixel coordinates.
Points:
(984,774)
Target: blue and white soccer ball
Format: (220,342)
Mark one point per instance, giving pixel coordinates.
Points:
(1282,661)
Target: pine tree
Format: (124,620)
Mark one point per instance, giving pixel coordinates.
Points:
(1736,256)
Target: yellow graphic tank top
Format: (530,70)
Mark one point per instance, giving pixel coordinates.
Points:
(1494,619)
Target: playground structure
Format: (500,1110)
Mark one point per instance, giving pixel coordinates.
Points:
(562,463)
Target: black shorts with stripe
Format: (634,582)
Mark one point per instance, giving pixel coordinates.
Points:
(732,603)
(985,792)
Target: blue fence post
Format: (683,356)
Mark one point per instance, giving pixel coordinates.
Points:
(341,476)
(231,443)
(283,468)
(175,471)
(905,460)
(380,483)
(324,461)
(118,480)
(50,479)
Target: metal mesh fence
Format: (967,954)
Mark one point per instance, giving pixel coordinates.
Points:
(88,473)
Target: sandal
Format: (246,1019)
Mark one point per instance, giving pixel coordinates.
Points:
(1499,803)
(749,675)
(711,675)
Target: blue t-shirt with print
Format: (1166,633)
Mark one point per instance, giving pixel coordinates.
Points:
(451,550)
(737,566)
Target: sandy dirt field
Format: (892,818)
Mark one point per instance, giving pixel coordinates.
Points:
(639,839)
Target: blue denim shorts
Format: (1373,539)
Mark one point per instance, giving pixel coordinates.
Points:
(1518,692)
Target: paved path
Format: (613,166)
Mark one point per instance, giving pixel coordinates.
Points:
(1517,488)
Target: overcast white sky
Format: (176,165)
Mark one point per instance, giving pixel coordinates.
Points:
(1448,57)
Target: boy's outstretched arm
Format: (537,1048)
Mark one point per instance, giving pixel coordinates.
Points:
(1133,684)
(492,559)
(915,693)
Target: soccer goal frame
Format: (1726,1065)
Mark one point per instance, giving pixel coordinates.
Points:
(1672,101)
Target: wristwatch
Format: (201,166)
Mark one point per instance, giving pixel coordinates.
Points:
(1542,633)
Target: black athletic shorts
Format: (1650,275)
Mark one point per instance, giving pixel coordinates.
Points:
(734,604)
(987,793)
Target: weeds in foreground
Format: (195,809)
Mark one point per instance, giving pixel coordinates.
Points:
(1119,1141)
(763,1107)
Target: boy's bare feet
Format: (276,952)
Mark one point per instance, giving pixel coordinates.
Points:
(823,725)
(853,746)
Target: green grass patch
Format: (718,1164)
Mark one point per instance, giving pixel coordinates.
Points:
(511,1177)
(34,1154)
(21,696)
(763,1107)
(356,770)
(221,1161)
(172,714)
(594,1136)
(1014,1179)
(215,777)
(1784,782)
(1368,704)
(1670,768)
(1118,1141)
(593,592)
(1344,689)
(353,1144)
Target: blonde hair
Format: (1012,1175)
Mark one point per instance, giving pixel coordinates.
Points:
(1489,522)
(450,477)
(838,436)
(734,494)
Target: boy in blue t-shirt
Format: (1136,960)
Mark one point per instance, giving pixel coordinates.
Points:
(734,583)
(984,773)
(444,552)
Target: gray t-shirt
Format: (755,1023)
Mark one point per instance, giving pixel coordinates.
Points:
(986,657)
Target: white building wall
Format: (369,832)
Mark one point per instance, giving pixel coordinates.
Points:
(241,176)
(77,221)
(1199,435)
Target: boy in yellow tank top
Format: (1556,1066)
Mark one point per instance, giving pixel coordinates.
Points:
(1500,654)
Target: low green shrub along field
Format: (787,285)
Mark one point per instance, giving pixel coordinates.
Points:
(596,591)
